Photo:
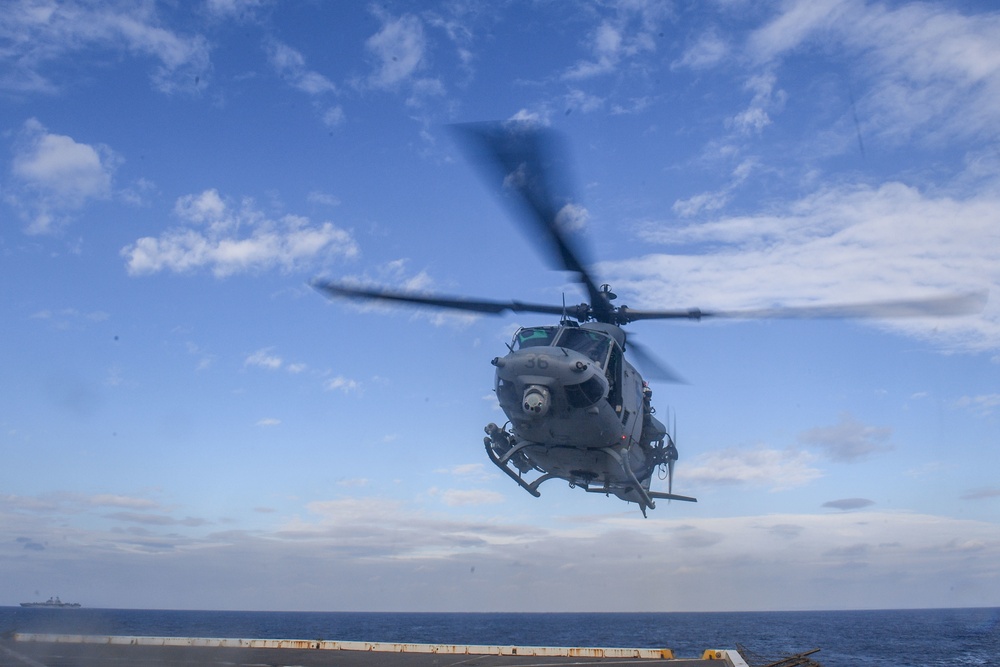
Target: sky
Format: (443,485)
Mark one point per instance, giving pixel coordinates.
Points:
(185,423)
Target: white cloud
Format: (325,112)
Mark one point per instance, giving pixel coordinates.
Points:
(57,176)
(398,48)
(232,239)
(572,217)
(342,384)
(203,208)
(264,359)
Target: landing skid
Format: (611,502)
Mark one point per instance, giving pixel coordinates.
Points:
(509,457)
(502,463)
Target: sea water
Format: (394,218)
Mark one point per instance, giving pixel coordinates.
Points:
(846,638)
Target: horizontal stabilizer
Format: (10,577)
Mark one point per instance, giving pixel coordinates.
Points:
(671,496)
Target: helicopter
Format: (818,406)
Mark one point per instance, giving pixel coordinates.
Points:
(576,408)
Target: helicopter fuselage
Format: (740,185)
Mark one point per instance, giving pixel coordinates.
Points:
(577,411)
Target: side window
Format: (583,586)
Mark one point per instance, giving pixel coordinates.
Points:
(614,375)
(586,393)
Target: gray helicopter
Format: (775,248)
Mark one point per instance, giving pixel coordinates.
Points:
(577,409)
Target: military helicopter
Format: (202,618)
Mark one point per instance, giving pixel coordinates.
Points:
(577,409)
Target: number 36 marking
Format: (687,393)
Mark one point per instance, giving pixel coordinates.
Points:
(536,361)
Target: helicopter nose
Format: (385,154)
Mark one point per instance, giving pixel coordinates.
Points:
(536,400)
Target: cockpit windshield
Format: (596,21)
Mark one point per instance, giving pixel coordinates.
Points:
(534,337)
(593,344)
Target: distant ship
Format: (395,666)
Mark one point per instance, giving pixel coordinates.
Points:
(52,602)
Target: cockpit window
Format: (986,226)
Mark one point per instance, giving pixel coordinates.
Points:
(535,336)
(592,344)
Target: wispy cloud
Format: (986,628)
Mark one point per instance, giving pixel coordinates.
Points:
(469,497)
(778,469)
(932,69)
(68,504)
(708,50)
(631,32)
(841,244)
(902,559)
(342,384)
(38,34)
(70,318)
(291,65)
(983,404)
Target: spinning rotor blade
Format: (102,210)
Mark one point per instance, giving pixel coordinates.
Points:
(525,159)
(454,303)
(941,306)
(652,367)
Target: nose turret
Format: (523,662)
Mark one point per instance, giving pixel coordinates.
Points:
(536,400)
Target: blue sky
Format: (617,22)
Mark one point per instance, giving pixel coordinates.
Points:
(185,423)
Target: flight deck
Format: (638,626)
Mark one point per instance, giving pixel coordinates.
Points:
(51,650)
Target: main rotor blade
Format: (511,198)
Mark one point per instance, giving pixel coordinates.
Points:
(440,301)
(940,306)
(651,366)
(528,161)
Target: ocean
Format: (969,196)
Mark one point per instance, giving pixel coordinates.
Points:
(886,638)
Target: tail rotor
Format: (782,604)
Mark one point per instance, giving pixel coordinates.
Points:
(671,455)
